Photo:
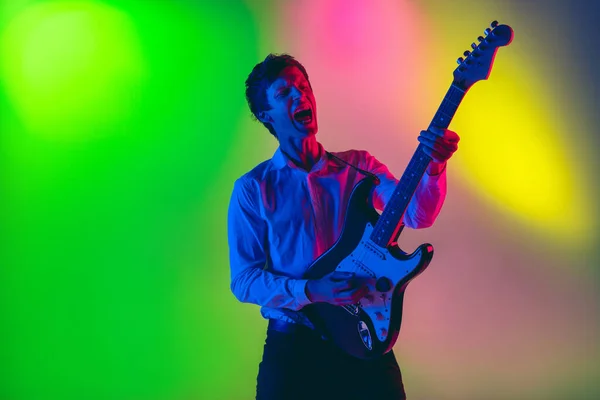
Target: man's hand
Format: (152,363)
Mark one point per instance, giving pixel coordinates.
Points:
(439,144)
(337,288)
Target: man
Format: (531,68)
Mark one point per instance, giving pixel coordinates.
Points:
(290,209)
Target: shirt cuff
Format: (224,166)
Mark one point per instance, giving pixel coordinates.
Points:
(299,292)
(439,173)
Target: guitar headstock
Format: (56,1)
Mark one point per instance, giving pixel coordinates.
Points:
(477,62)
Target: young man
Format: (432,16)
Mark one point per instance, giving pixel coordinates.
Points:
(290,209)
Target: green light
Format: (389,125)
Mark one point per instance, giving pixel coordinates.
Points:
(68,65)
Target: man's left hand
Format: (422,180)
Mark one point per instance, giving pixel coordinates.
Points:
(439,144)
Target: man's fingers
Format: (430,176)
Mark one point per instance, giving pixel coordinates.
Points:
(437,156)
(353,285)
(446,134)
(437,131)
(337,276)
(351,296)
(439,146)
(360,293)
(429,135)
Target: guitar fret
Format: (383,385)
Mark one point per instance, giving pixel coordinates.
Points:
(447,111)
(448,116)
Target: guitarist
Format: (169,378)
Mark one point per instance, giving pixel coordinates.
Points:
(290,209)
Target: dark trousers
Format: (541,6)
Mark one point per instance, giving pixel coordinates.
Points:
(299,364)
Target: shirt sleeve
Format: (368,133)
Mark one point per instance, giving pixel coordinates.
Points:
(247,236)
(426,202)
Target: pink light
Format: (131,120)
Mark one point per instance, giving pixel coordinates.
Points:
(365,61)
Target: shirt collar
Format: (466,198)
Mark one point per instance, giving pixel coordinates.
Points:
(280,160)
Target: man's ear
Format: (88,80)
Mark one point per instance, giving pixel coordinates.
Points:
(264,117)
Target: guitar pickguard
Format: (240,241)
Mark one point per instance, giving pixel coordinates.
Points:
(373,262)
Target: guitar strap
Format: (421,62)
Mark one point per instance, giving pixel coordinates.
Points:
(362,171)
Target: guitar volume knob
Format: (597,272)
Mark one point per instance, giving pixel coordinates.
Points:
(383,284)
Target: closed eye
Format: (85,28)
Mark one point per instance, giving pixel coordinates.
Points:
(283,92)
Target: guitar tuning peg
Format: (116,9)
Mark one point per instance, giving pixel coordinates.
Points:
(466,53)
(459,60)
(473,46)
(494,24)
(480,38)
(487,31)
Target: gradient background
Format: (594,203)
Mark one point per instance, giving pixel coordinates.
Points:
(124,124)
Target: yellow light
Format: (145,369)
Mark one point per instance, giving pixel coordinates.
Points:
(515,154)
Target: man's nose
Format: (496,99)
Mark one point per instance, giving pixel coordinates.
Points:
(296,93)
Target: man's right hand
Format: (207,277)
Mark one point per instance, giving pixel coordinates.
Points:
(337,288)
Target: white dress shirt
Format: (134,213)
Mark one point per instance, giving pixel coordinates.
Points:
(282,218)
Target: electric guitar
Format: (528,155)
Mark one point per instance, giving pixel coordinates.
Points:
(368,245)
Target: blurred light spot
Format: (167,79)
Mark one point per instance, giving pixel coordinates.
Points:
(71,65)
(516,155)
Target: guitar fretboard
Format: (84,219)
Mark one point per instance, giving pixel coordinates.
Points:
(388,225)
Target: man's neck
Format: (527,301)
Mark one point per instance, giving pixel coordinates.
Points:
(305,153)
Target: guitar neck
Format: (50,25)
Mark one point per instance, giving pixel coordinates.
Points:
(389,223)
(448,108)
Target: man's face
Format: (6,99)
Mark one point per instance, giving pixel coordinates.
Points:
(293,112)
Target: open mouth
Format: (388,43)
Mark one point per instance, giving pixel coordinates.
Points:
(304,117)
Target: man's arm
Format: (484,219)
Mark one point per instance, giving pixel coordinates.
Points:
(427,201)
(248,246)
(436,168)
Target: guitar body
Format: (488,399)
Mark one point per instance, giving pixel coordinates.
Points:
(368,329)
